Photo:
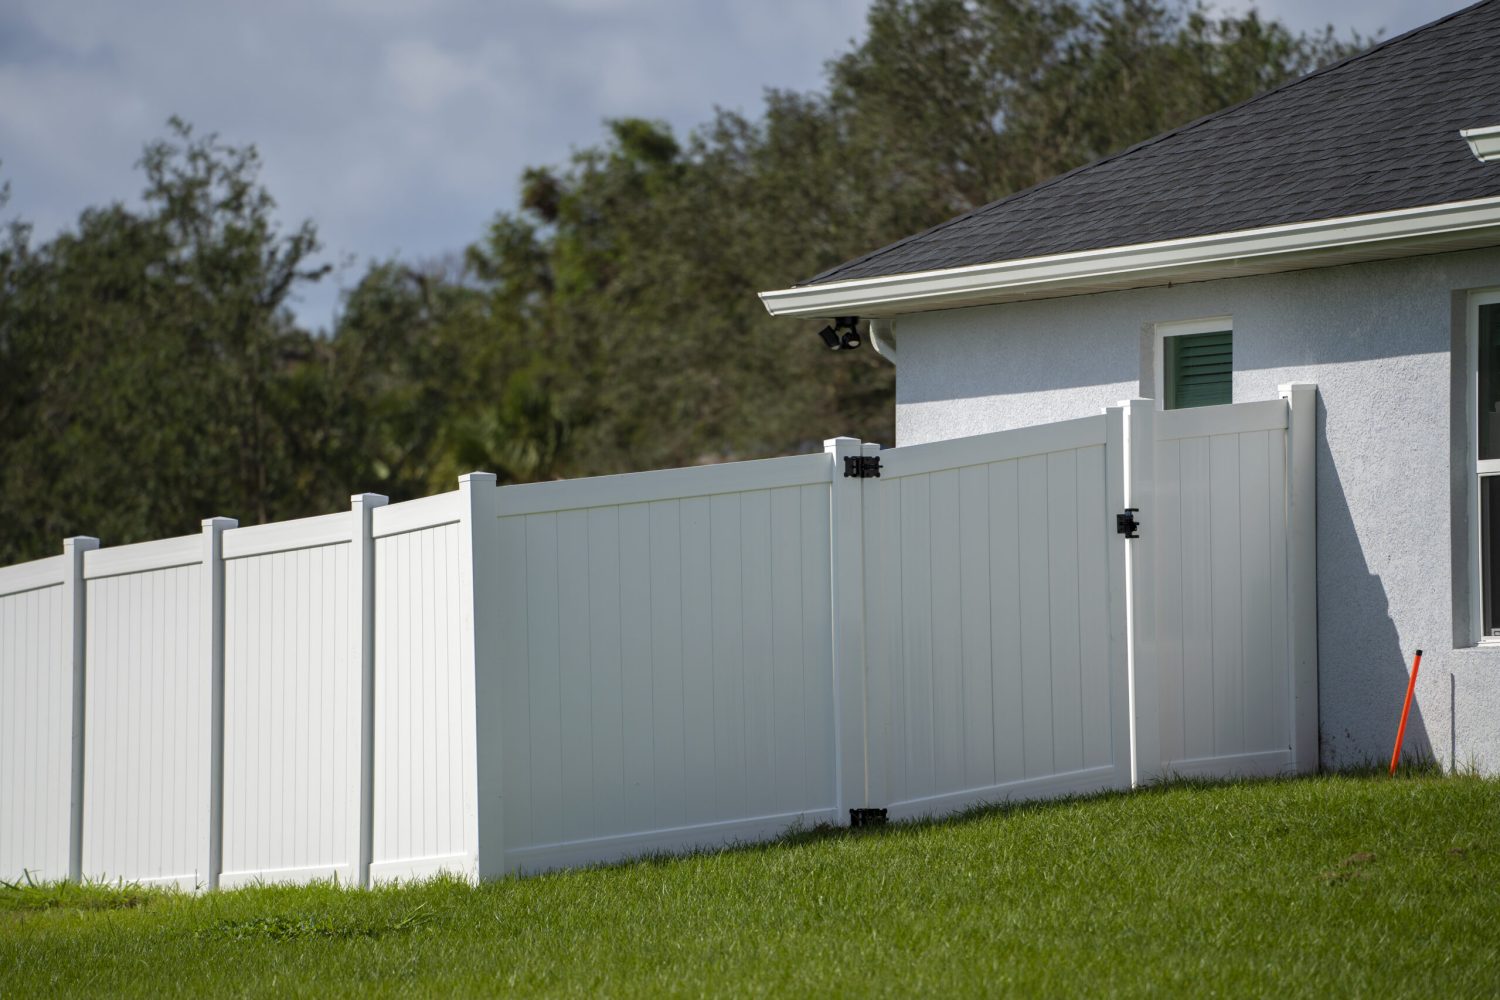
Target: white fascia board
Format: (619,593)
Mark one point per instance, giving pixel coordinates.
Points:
(1485,142)
(1145,263)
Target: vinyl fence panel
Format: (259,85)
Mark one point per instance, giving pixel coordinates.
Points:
(666,659)
(36,699)
(291,703)
(147,712)
(424,750)
(527,677)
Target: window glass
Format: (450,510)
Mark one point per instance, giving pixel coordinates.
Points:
(1199,369)
(1489,382)
(1489,544)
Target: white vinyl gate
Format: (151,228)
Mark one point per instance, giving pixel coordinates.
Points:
(988,570)
(526,677)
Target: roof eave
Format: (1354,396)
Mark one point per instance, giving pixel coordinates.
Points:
(1322,243)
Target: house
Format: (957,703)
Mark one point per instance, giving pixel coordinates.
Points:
(1343,229)
(1028,597)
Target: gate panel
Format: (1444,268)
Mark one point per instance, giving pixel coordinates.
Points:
(988,626)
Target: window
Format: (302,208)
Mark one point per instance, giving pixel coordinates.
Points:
(1195,363)
(1484,457)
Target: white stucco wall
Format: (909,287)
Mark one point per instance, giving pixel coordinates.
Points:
(1378,339)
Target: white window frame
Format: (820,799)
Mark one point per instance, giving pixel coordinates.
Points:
(1182,328)
(1476,470)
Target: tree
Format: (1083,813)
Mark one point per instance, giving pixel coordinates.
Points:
(628,275)
(153,373)
(607,322)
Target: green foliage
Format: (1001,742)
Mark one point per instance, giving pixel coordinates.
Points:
(1329,886)
(153,374)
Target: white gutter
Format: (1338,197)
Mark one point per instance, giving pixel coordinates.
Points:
(1192,258)
(1485,142)
(883,338)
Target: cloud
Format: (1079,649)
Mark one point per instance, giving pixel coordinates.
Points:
(402,126)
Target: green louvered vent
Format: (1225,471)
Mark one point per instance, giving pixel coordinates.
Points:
(1200,369)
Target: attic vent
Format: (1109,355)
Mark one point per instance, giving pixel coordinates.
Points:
(1485,142)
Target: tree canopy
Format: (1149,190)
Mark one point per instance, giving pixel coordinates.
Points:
(153,373)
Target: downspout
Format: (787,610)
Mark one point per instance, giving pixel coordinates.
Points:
(883,338)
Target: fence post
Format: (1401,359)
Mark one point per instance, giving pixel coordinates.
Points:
(1302,568)
(212,604)
(1140,597)
(362,593)
(74,637)
(479,569)
(847,578)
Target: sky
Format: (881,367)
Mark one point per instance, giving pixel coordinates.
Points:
(401,126)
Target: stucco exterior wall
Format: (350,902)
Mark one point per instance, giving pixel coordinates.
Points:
(1381,341)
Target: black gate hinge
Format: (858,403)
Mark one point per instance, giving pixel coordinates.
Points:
(861,466)
(1126,524)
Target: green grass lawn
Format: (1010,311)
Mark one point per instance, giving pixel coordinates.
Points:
(1333,886)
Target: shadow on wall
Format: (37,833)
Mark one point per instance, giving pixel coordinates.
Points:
(1362,667)
(1021,350)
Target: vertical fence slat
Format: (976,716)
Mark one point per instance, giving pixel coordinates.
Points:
(604,650)
(503,698)
(697,659)
(976,701)
(1006,711)
(1036,618)
(1094,545)
(1227,623)
(668,729)
(1062,600)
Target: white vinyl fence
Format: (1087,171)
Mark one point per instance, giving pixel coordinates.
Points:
(524,677)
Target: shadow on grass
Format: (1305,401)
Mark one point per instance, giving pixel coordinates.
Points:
(1424,767)
(28,895)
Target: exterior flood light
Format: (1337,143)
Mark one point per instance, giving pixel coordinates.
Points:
(848,326)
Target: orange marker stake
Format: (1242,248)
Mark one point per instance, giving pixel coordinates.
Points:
(1411,686)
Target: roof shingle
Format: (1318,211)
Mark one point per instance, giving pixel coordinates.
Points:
(1376,132)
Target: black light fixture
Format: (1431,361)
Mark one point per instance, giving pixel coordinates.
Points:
(843,335)
(851,332)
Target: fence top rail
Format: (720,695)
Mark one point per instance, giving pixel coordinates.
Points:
(284,536)
(414,515)
(143,557)
(665,484)
(997,446)
(1232,418)
(32,575)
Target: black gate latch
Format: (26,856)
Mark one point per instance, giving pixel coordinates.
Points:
(1126,524)
(861,466)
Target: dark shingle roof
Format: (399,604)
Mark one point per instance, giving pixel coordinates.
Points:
(1378,131)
